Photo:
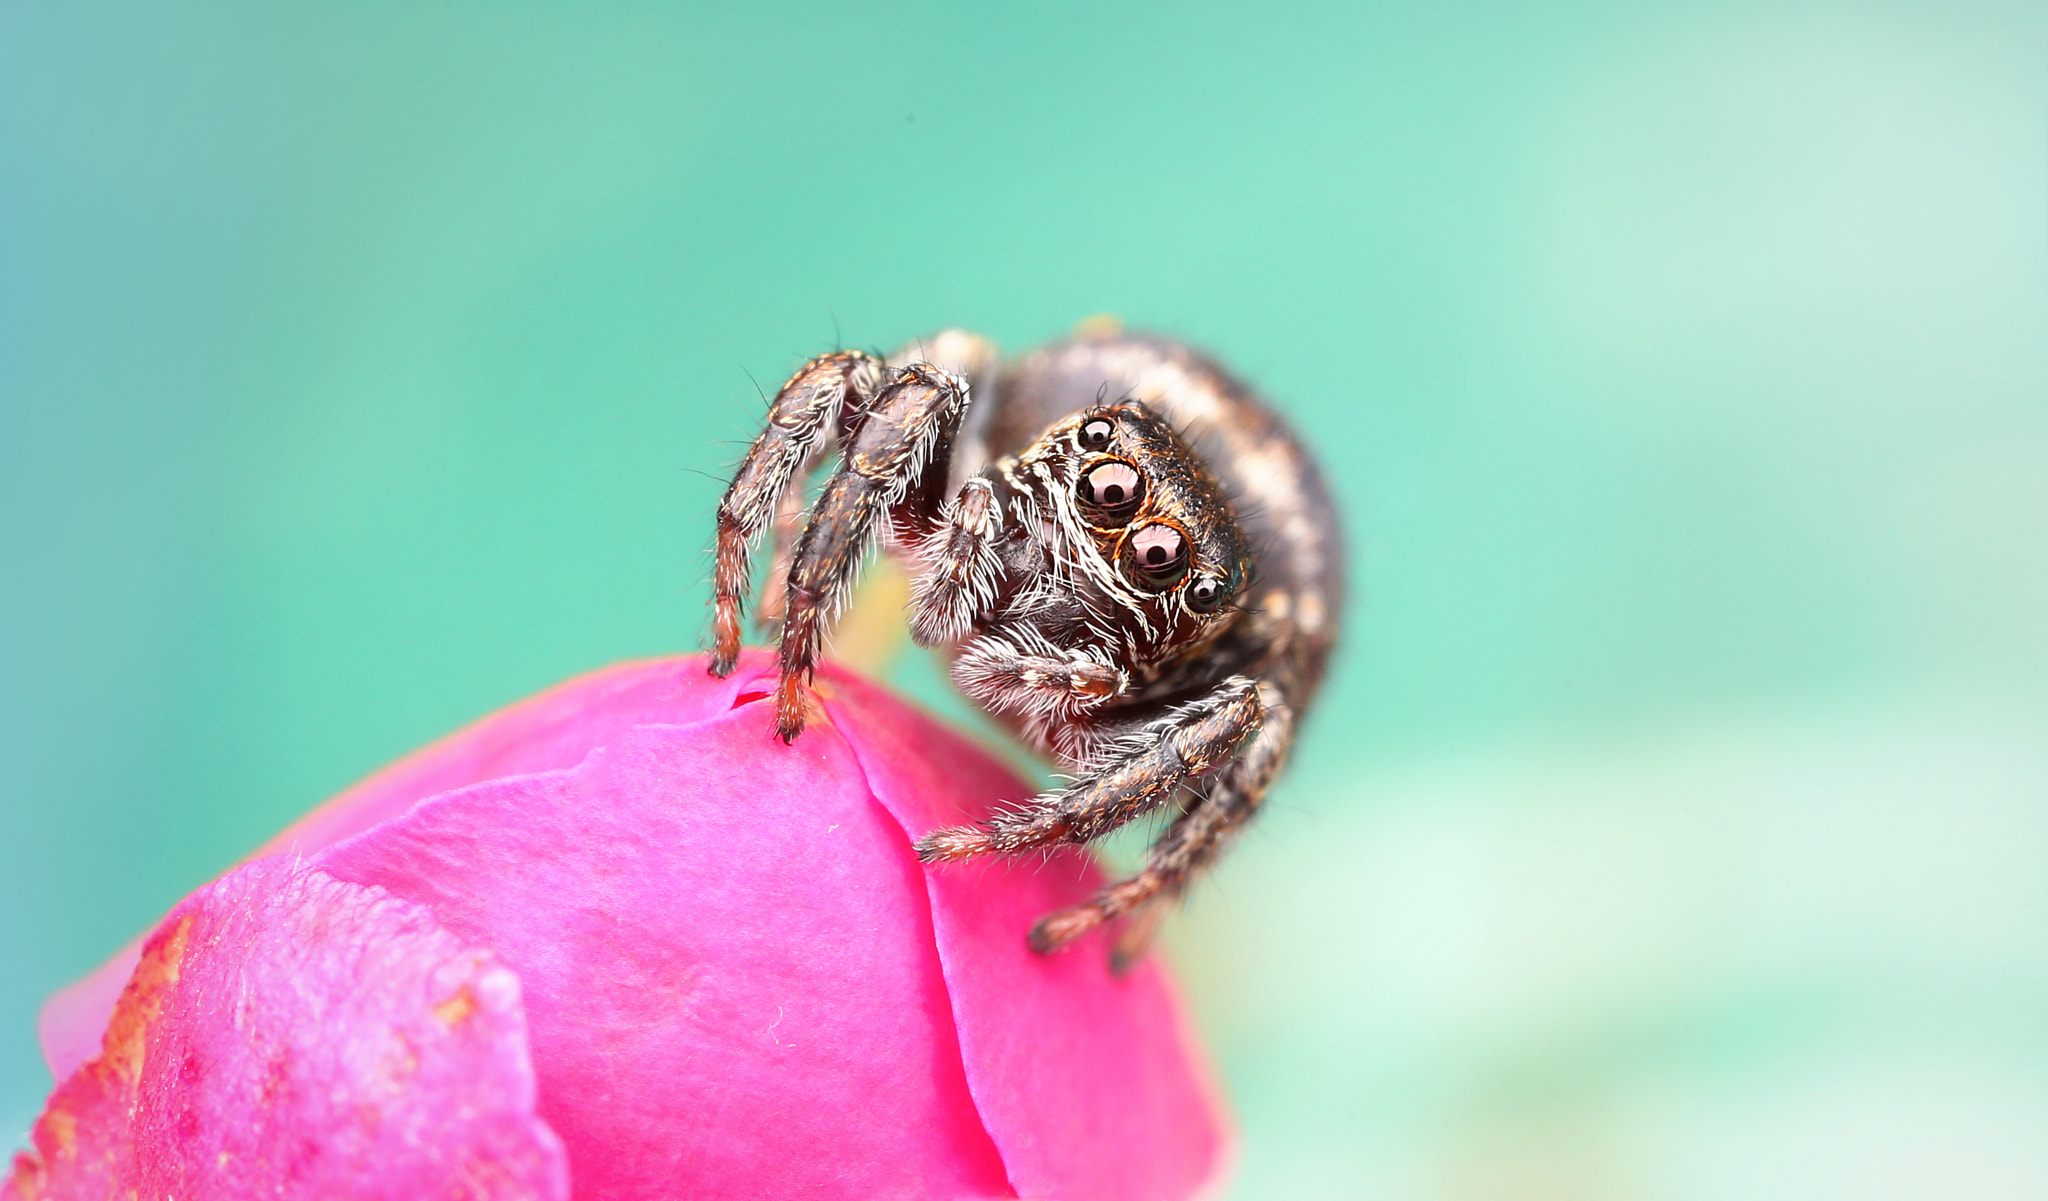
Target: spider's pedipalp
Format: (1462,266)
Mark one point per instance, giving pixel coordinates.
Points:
(1025,673)
(959,568)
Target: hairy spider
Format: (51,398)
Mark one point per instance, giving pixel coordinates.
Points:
(1130,559)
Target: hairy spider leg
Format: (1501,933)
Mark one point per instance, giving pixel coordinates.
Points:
(1187,847)
(1143,770)
(965,354)
(905,436)
(826,395)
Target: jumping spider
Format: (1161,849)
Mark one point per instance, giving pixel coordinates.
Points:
(1129,558)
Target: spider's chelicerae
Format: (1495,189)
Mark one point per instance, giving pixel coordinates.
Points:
(1130,559)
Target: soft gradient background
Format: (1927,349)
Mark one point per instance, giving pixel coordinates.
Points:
(1676,823)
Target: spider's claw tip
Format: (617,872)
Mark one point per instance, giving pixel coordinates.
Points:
(789,708)
(1056,930)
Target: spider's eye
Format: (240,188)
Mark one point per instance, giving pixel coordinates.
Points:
(1206,595)
(1095,434)
(1156,556)
(1111,493)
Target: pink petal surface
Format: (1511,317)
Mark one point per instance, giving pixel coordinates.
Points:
(289,1035)
(551,729)
(1063,1058)
(728,998)
(737,979)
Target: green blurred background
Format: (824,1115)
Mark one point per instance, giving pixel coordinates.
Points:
(1676,821)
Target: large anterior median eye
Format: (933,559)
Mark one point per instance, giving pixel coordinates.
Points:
(1111,493)
(1156,556)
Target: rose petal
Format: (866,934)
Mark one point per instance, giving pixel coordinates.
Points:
(288,1035)
(75,1016)
(728,964)
(549,730)
(738,980)
(1086,1082)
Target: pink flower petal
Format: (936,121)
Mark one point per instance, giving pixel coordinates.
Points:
(728,965)
(288,1035)
(549,730)
(1071,1067)
(737,978)
(75,1016)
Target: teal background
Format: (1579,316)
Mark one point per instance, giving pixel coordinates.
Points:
(1676,822)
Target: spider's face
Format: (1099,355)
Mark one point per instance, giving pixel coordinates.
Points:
(1168,548)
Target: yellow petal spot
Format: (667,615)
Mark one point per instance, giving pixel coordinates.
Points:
(127,1037)
(453,1010)
(63,1127)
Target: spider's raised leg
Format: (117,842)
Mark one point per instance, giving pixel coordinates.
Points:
(969,356)
(824,396)
(904,437)
(1190,844)
(1139,772)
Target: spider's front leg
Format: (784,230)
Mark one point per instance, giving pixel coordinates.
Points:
(825,395)
(1135,774)
(884,482)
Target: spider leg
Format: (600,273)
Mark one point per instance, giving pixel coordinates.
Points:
(973,358)
(1189,845)
(902,440)
(1140,926)
(1137,773)
(825,394)
(788,526)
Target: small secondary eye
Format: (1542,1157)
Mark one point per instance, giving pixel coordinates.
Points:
(1206,595)
(1157,556)
(1111,492)
(1095,434)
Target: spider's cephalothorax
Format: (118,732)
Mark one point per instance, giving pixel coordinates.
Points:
(1130,559)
